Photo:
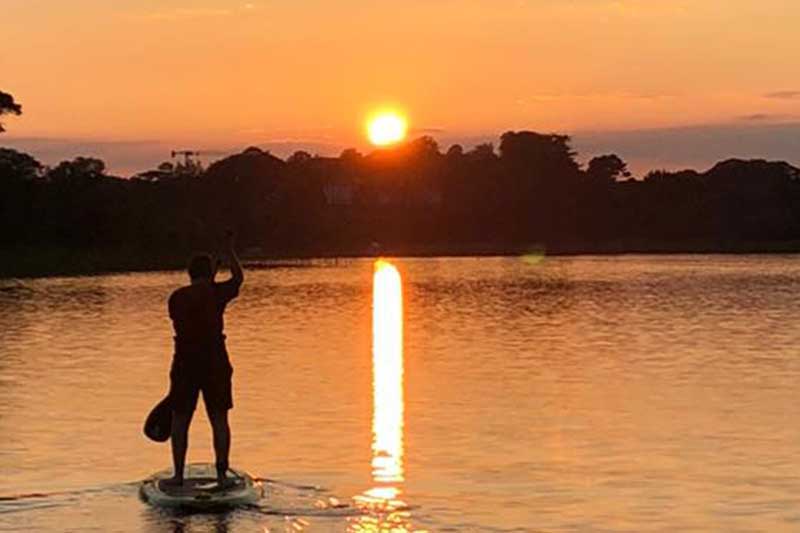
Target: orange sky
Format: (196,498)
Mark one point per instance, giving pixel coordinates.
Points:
(214,72)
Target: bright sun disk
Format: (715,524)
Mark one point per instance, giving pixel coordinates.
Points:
(386,128)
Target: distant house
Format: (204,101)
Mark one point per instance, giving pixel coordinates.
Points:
(339,194)
(343,186)
(327,172)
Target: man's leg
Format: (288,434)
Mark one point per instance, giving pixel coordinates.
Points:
(218,397)
(183,395)
(222,440)
(180,443)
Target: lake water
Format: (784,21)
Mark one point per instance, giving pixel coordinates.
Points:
(632,393)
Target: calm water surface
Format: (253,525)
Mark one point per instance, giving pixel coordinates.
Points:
(572,394)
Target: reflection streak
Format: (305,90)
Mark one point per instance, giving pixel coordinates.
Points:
(386,511)
(387,371)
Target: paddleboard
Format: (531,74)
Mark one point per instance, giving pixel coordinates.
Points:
(200,489)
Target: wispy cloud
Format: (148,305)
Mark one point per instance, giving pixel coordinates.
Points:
(623,95)
(184,13)
(783,95)
(767,117)
(187,13)
(756,117)
(697,146)
(426,131)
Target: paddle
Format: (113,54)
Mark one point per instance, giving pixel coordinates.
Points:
(158,425)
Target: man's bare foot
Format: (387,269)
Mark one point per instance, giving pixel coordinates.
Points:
(224,483)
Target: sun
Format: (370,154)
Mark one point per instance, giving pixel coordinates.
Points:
(386,127)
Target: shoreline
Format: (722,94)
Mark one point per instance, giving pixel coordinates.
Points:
(42,262)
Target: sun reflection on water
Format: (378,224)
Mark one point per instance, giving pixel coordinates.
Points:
(387,372)
(385,511)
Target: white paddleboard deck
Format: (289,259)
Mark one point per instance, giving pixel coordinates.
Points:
(200,489)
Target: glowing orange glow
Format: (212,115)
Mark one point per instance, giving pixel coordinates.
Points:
(464,86)
(386,127)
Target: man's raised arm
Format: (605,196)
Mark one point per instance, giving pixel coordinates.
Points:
(233,260)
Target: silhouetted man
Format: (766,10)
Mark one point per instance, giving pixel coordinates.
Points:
(201,363)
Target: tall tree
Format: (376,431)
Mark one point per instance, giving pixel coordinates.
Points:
(607,168)
(8,107)
(18,166)
(80,170)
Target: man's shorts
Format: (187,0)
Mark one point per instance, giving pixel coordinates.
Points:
(215,382)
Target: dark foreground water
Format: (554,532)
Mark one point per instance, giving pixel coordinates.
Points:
(569,394)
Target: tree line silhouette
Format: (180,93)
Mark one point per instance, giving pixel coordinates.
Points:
(530,192)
